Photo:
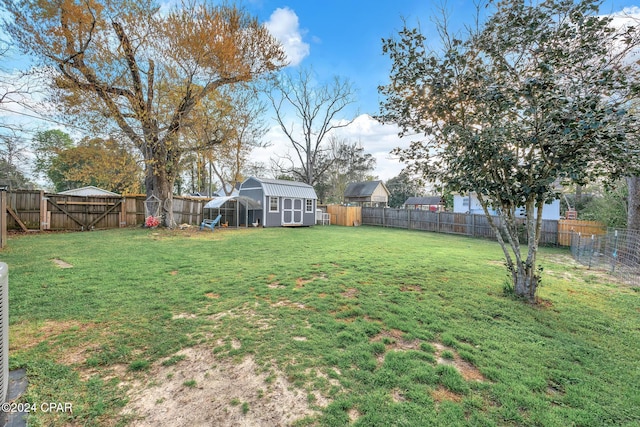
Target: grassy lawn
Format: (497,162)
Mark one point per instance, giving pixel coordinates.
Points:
(365,326)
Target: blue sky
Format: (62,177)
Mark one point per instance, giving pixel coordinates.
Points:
(344,38)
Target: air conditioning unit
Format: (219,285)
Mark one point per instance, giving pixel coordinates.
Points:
(4,331)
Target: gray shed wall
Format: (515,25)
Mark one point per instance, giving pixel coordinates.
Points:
(253,188)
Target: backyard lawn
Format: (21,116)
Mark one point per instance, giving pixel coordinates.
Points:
(320,326)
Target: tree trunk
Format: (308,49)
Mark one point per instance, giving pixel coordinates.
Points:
(159,183)
(523,271)
(633,210)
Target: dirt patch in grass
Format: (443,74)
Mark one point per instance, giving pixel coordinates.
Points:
(184,316)
(72,349)
(441,394)
(287,303)
(397,395)
(350,293)
(466,369)
(410,288)
(354,414)
(62,264)
(25,335)
(203,390)
(243,312)
(300,282)
(275,285)
(393,340)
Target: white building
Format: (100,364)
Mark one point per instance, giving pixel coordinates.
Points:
(470,204)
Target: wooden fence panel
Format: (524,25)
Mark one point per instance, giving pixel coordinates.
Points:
(370,216)
(568,226)
(187,210)
(134,210)
(23,207)
(66,212)
(29,210)
(475,225)
(345,215)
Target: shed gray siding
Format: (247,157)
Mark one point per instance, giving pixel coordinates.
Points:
(292,200)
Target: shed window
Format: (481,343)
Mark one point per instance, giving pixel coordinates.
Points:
(273,204)
(465,201)
(309,205)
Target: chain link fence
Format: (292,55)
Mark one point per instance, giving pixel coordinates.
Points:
(617,251)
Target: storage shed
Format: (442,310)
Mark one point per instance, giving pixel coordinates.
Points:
(369,194)
(283,203)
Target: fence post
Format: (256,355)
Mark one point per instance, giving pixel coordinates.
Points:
(473,225)
(614,252)
(408,219)
(579,245)
(438,223)
(44,224)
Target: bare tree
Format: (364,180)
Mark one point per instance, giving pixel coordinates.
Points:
(317,109)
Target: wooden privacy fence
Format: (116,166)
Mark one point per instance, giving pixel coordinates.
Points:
(553,232)
(345,215)
(28,210)
(587,228)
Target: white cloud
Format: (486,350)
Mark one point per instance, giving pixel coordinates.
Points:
(377,140)
(284,26)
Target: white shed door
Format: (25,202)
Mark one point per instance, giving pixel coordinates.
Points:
(292,210)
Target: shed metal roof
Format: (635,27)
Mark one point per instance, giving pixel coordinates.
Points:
(283,188)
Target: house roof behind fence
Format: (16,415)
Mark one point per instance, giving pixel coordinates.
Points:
(429,200)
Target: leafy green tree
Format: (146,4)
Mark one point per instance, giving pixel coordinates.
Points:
(402,187)
(102,163)
(47,146)
(608,207)
(535,95)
